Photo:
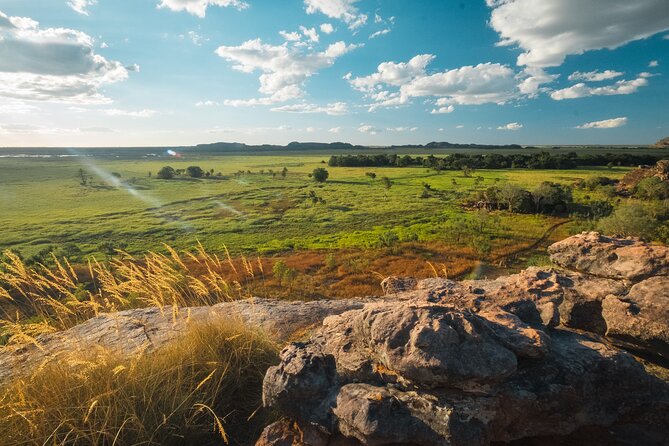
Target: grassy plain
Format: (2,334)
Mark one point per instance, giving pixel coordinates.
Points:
(43,204)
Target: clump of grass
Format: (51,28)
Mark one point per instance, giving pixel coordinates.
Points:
(204,389)
(39,299)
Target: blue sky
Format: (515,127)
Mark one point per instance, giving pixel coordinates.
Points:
(181,72)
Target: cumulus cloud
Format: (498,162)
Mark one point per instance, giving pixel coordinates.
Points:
(292,36)
(52,64)
(369,129)
(327,28)
(336,129)
(284,69)
(531,81)
(442,110)
(513,126)
(333,109)
(402,129)
(582,90)
(379,33)
(81,6)
(605,124)
(480,84)
(310,33)
(207,103)
(550,30)
(595,76)
(653,64)
(343,10)
(199,7)
(146,113)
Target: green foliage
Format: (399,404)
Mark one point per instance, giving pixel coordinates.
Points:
(166,173)
(386,182)
(195,172)
(630,220)
(652,188)
(285,275)
(320,175)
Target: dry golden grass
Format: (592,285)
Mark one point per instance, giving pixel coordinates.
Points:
(203,389)
(40,299)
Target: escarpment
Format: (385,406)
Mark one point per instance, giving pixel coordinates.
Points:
(546,356)
(575,354)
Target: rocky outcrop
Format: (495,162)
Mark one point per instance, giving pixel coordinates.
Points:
(633,177)
(532,358)
(148,329)
(662,144)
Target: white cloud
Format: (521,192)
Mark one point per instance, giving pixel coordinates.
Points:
(582,90)
(52,64)
(327,28)
(402,129)
(550,30)
(343,10)
(442,110)
(392,73)
(104,45)
(605,124)
(369,129)
(460,126)
(513,126)
(81,6)
(595,76)
(146,113)
(194,37)
(310,33)
(284,69)
(333,109)
(207,103)
(14,107)
(480,84)
(336,129)
(292,36)
(379,33)
(653,64)
(199,7)
(531,81)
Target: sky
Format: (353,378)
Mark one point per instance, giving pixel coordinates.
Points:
(77,73)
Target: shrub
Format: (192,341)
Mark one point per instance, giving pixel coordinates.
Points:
(205,387)
(320,175)
(166,173)
(630,220)
(195,172)
(652,188)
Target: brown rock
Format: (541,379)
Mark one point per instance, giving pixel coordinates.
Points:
(614,258)
(641,318)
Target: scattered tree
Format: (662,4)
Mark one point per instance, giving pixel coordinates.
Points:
(194,171)
(166,173)
(320,175)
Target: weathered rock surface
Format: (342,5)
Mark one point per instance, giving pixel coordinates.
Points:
(614,258)
(523,359)
(147,329)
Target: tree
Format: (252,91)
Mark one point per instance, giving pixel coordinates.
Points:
(652,188)
(387,184)
(194,171)
(284,172)
(551,197)
(630,220)
(166,173)
(83,177)
(371,175)
(320,175)
(512,196)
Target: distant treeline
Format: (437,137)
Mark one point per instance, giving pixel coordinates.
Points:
(458,161)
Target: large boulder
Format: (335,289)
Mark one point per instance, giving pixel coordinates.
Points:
(615,258)
(420,373)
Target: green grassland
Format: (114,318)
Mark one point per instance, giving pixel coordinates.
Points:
(42,204)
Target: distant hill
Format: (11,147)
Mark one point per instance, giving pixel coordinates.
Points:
(663,143)
(336,146)
(293,146)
